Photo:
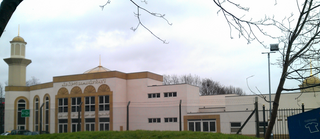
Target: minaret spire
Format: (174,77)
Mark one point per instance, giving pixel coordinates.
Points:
(99,60)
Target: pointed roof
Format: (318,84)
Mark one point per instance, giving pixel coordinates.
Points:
(97,69)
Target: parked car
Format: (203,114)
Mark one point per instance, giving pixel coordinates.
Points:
(31,133)
(18,132)
(4,134)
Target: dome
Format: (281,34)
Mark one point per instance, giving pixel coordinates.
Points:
(18,39)
(97,69)
(311,80)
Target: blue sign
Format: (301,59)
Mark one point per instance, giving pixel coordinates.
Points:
(305,125)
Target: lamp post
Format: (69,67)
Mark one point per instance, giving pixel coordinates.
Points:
(273,47)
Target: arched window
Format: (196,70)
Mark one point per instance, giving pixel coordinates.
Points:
(21,120)
(36,114)
(46,113)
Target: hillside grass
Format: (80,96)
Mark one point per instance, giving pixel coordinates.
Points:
(139,134)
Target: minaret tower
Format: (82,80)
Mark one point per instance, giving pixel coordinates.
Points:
(17,62)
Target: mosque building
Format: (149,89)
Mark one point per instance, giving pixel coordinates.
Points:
(113,100)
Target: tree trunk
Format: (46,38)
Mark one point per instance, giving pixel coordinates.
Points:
(276,102)
(7,8)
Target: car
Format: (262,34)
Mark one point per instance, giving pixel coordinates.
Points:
(4,134)
(18,132)
(31,133)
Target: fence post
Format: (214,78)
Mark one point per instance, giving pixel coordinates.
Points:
(257,117)
(264,119)
(128,116)
(180,115)
(302,107)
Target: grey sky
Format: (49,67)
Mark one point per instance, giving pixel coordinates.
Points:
(67,37)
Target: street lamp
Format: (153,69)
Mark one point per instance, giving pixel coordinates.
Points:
(273,48)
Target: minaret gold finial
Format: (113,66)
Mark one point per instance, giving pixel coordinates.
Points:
(99,60)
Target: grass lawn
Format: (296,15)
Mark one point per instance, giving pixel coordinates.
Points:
(139,134)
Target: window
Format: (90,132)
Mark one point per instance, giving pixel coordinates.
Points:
(75,103)
(202,125)
(46,117)
(154,95)
(234,127)
(90,103)
(74,125)
(104,103)
(90,124)
(104,124)
(63,104)
(154,120)
(171,120)
(63,125)
(36,114)
(170,94)
(21,120)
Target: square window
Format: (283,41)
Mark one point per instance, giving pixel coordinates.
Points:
(158,120)
(175,119)
(165,94)
(150,120)
(154,120)
(174,94)
(100,99)
(166,120)
(170,94)
(149,95)
(158,95)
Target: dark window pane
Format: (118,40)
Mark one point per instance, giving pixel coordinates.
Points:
(101,127)
(100,107)
(170,94)
(236,124)
(60,128)
(106,99)
(60,109)
(63,120)
(191,126)
(100,99)
(47,105)
(153,95)
(87,100)
(87,127)
(73,109)
(65,128)
(37,106)
(158,120)
(166,120)
(47,117)
(73,101)
(86,108)
(154,120)
(92,100)
(170,119)
(21,100)
(175,120)
(47,127)
(60,101)
(212,126)
(37,116)
(47,98)
(66,101)
(65,109)
(150,120)
(106,107)
(104,119)
(107,127)
(205,126)
(149,96)
(174,94)
(73,127)
(198,126)
(165,94)
(158,95)
(92,127)
(92,107)
(90,120)
(78,100)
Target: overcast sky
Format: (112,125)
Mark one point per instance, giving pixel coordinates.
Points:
(66,37)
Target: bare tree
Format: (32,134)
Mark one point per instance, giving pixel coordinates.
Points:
(299,36)
(206,86)
(32,81)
